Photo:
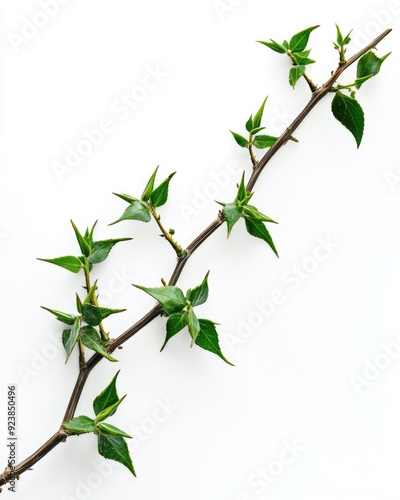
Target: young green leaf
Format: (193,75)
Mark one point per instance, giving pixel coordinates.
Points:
(264,141)
(249,124)
(277,47)
(252,212)
(171,298)
(93,315)
(242,192)
(101,249)
(79,425)
(242,141)
(207,338)
(68,319)
(299,41)
(105,428)
(108,397)
(115,448)
(193,324)
(302,58)
(72,338)
(350,114)
(295,73)
(256,228)
(149,187)
(90,294)
(110,410)
(368,66)
(91,339)
(135,211)
(256,130)
(126,197)
(258,116)
(69,262)
(199,294)
(160,195)
(232,213)
(83,243)
(175,323)
(78,303)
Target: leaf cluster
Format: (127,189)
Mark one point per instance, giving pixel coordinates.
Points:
(179,308)
(297,50)
(253,218)
(111,441)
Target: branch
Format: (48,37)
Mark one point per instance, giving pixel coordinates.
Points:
(85,370)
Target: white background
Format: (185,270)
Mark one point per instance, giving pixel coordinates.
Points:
(304,375)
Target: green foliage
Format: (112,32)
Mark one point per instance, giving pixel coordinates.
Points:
(69,262)
(340,44)
(94,315)
(253,127)
(296,50)
(111,442)
(207,339)
(141,210)
(368,66)
(179,309)
(350,114)
(254,219)
(91,339)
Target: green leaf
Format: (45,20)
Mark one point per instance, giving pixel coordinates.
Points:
(175,323)
(207,338)
(256,130)
(69,262)
(171,298)
(115,448)
(160,195)
(102,248)
(242,192)
(232,213)
(83,244)
(264,141)
(68,319)
(277,47)
(258,116)
(199,294)
(72,338)
(257,228)
(242,141)
(78,303)
(93,315)
(126,197)
(252,211)
(110,410)
(350,114)
(193,325)
(299,41)
(79,425)
(149,187)
(295,73)
(249,124)
(302,57)
(90,294)
(91,339)
(368,66)
(108,397)
(135,211)
(105,428)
